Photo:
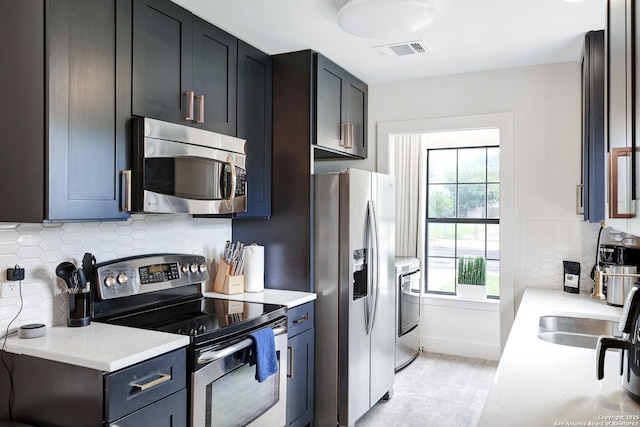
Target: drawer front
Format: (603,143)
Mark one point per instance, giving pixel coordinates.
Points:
(132,388)
(170,411)
(300,318)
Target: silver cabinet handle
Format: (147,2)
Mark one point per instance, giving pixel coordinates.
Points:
(302,319)
(346,135)
(126,187)
(200,99)
(290,372)
(190,96)
(162,379)
(579,199)
(615,157)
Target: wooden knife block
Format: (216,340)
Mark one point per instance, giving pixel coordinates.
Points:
(225,283)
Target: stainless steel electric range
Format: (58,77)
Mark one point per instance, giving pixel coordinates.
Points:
(162,292)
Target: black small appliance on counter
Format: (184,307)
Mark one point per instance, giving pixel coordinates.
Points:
(629,345)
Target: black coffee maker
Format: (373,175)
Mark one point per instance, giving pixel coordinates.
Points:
(629,345)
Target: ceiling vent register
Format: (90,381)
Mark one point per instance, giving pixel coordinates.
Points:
(402,49)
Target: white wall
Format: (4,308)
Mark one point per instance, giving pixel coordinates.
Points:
(546,105)
(39,248)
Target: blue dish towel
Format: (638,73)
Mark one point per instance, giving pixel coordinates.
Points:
(264,353)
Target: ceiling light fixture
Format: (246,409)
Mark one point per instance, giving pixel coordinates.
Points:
(382,19)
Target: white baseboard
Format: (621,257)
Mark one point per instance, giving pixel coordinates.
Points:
(459,348)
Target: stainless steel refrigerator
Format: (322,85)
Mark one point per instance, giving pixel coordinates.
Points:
(354,279)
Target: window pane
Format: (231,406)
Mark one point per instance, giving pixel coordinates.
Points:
(493,164)
(463,187)
(441,240)
(442,166)
(470,240)
(441,274)
(493,200)
(493,241)
(493,278)
(472,165)
(472,201)
(442,201)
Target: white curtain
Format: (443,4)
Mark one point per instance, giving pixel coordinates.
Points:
(410,156)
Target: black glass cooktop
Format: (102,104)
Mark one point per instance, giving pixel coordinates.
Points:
(204,320)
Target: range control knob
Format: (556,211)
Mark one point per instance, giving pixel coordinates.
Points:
(185,268)
(122,278)
(109,281)
(202,268)
(193,268)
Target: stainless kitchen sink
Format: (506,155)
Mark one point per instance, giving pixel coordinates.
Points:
(575,331)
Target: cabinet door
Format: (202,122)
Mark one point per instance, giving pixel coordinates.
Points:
(22,116)
(215,57)
(254,125)
(168,412)
(341,111)
(300,379)
(593,150)
(356,115)
(89,104)
(619,121)
(162,66)
(329,105)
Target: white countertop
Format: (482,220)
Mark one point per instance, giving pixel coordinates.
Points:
(97,346)
(110,348)
(268,296)
(538,383)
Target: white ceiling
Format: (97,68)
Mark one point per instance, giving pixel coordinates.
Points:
(466,35)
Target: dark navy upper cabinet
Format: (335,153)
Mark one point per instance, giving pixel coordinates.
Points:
(254,125)
(184,68)
(593,134)
(341,108)
(215,58)
(65,141)
(162,68)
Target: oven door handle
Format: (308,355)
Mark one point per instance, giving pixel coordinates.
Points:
(213,355)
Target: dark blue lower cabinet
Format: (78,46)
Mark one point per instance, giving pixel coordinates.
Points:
(300,366)
(168,412)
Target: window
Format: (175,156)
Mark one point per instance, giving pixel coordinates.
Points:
(463,212)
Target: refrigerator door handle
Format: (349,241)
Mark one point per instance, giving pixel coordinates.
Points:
(375,259)
(369,248)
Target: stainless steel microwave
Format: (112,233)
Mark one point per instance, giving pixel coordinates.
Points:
(180,169)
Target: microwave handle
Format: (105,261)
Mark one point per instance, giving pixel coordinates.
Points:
(232,194)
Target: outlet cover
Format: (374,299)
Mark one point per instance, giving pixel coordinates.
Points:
(8,289)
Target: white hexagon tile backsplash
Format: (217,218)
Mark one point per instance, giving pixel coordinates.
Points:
(39,248)
(548,243)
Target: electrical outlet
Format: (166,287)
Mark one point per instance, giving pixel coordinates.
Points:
(8,288)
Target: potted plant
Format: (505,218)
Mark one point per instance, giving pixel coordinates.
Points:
(472,277)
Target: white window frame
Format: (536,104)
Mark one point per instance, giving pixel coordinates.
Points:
(503,121)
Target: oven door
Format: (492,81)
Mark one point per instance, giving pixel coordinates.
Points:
(409,302)
(225,393)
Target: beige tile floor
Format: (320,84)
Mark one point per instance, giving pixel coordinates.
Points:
(435,390)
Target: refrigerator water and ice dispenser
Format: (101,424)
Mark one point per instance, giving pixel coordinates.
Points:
(360,272)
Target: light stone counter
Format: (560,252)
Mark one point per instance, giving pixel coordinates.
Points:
(97,346)
(540,384)
(109,347)
(268,296)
